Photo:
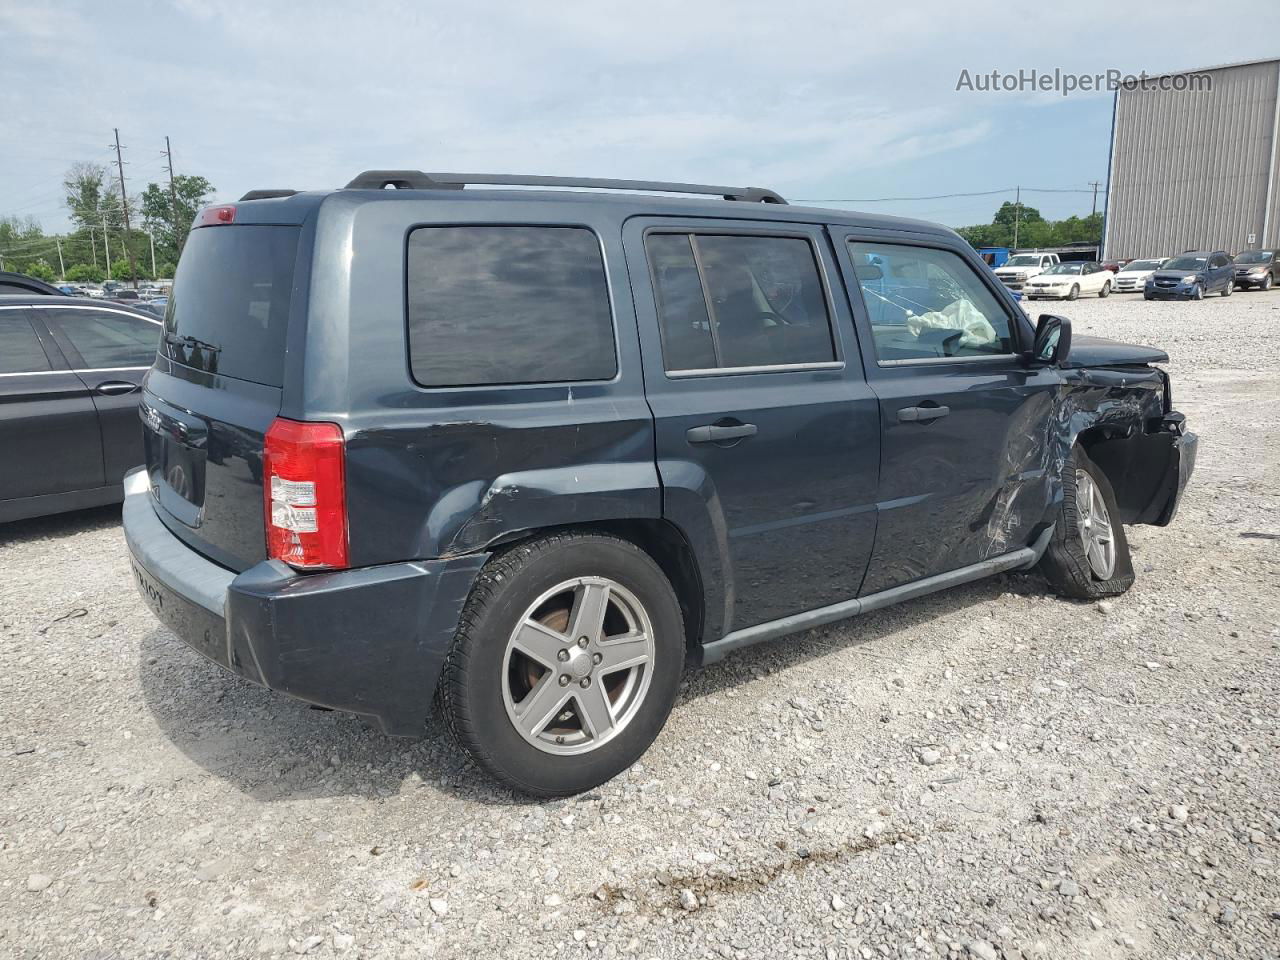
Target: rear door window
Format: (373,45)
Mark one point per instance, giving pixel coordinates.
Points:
(105,339)
(732,301)
(20,350)
(228,312)
(508,305)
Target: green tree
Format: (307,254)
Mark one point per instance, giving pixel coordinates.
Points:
(85,273)
(164,271)
(120,269)
(91,197)
(1009,211)
(41,270)
(170,228)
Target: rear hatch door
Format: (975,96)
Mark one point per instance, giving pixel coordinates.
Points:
(217,384)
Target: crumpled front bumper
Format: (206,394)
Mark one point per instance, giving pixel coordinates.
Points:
(370,640)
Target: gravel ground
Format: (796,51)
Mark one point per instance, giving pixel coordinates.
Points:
(986,772)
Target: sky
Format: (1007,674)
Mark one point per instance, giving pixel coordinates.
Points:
(820,101)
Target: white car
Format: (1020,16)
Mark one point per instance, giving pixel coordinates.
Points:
(1132,277)
(1066,281)
(1021,267)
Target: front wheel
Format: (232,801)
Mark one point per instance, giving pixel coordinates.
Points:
(1105,291)
(1197,292)
(1226,291)
(1075,292)
(1266,282)
(566,663)
(1088,557)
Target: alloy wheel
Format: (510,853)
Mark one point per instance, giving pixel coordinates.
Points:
(578,665)
(1094,524)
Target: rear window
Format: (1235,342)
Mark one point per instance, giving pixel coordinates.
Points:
(229,308)
(506,305)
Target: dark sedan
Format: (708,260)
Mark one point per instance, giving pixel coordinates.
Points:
(70,372)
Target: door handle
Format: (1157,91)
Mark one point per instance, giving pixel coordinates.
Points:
(714,433)
(115,388)
(922,414)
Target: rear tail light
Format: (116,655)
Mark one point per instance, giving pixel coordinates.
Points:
(304,492)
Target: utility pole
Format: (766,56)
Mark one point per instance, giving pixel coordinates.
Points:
(106,245)
(1095,184)
(1017,214)
(124,202)
(62,267)
(179,235)
(94,246)
(152,238)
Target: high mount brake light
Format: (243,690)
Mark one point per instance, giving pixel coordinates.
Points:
(304,494)
(217,216)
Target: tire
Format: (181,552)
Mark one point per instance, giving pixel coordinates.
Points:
(1226,291)
(1075,292)
(1105,291)
(1072,571)
(1148,296)
(1197,292)
(1266,282)
(487,679)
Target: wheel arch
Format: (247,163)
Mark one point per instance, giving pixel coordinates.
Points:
(665,543)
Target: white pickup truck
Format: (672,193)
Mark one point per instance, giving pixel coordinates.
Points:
(1021,267)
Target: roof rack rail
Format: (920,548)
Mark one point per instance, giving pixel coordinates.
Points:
(266,194)
(417,180)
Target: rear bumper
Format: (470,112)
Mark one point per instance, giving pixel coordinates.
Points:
(370,641)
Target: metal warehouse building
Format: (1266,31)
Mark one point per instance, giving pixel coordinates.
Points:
(1196,167)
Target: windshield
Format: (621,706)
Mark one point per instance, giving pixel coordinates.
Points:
(1141,265)
(1023,261)
(1254,256)
(1064,268)
(1185,263)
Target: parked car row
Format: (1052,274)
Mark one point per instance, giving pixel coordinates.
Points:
(1190,276)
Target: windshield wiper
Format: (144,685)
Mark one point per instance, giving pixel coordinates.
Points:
(175,340)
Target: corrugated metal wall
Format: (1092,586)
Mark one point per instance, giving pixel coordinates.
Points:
(1190,169)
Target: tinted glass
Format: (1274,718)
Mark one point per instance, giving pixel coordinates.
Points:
(926,303)
(1254,256)
(229,308)
(1185,263)
(20,350)
(490,305)
(109,339)
(767,299)
(682,310)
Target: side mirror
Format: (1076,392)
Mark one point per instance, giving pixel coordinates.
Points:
(1053,341)
(868,271)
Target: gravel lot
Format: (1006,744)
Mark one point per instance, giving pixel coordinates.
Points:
(986,772)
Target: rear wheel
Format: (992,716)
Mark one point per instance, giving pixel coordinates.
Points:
(566,663)
(1075,292)
(1106,290)
(1088,557)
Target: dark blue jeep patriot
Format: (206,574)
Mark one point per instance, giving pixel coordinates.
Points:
(527,452)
